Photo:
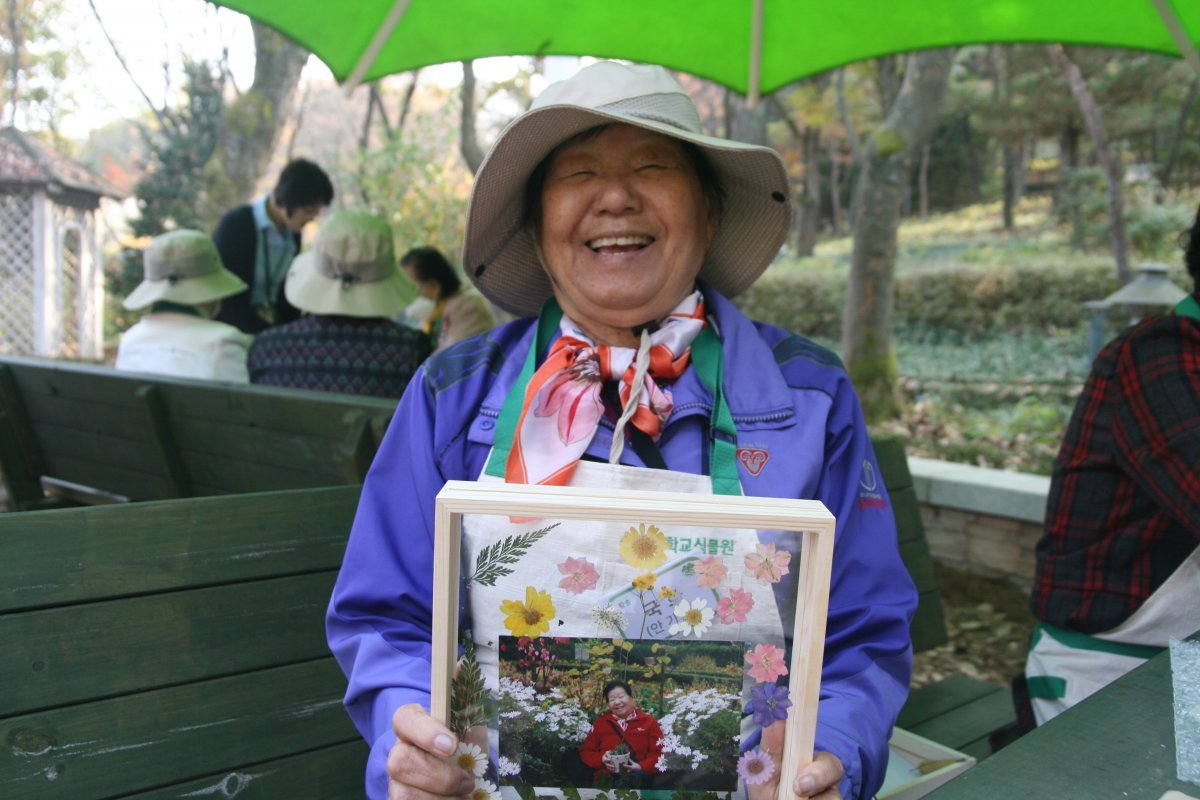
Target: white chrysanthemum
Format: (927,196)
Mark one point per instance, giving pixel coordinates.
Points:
(471,758)
(484,790)
(695,617)
(507,768)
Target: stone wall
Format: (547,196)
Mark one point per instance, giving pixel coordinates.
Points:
(986,520)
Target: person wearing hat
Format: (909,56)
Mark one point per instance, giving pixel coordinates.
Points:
(347,342)
(258,241)
(456,312)
(609,217)
(183,286)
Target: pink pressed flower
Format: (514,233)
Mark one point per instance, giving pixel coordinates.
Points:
(573,395)
(755,766)
(766,663)
(766,564)
(735,607)
(710,572)
(580,574)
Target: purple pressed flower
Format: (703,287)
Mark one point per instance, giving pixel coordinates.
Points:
(755,767)
(768,703)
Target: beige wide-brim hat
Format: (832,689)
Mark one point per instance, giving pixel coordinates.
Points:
(183,267)
(350,270)
(499,255)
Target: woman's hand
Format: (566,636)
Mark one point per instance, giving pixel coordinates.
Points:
(819,780)
(417,765)
(609,763)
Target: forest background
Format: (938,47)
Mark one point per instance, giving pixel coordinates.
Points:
(987,192)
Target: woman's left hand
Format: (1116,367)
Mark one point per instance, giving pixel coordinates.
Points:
(819,780)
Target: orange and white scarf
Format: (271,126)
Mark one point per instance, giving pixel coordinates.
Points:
(563,407)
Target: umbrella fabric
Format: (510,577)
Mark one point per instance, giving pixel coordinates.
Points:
(709,38)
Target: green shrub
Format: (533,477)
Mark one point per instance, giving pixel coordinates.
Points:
(966,300)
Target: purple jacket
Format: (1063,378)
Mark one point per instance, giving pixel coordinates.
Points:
(790,399)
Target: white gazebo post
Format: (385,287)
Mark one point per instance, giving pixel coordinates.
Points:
(47,277)
(52,298)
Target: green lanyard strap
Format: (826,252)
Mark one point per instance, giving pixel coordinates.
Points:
(1188,307)
(707,358)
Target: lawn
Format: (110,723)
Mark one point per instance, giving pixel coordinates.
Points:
(999,396)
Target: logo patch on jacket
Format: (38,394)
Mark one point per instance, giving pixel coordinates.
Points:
(753,459)
(868,497)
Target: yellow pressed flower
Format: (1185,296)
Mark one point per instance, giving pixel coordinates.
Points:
(644,547)
(530,618)
(666,593)
(644,581)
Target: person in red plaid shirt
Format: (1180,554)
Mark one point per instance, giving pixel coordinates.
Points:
(1118,567)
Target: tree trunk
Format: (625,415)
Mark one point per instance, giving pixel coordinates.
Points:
(1068,149)
(1181,124)
(835,188)
(810,201)
(1108,159)
(743,123)
(468,142)
(14,35)
(254,121)
(870,294)
(923,183)
(1010,187)
(856,151)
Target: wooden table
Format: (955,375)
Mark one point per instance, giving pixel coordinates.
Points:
(1118,743)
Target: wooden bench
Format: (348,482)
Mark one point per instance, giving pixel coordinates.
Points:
(175,649)
(77,433)
(958,711)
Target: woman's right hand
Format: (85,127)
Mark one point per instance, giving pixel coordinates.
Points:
(417,764)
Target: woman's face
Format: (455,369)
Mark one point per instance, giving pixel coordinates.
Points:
(624,228)
(619,702)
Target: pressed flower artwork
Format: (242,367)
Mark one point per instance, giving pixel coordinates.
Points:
(695,617)
(766,663)
(580,575)
(767,564)
(644,547)
(755,767)
(471,758)
(688,617)
(531,617)
(768,704)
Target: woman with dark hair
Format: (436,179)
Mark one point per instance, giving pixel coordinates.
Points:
(458,312)
(624,739)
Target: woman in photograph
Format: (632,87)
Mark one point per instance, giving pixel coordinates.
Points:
(624,740)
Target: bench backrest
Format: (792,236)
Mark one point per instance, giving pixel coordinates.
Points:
(929,625)
(144,437)
(175,649)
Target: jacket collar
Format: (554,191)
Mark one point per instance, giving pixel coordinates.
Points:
(765,399)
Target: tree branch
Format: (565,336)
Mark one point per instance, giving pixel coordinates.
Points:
(163,120)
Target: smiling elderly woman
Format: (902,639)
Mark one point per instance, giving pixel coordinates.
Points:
(607,214)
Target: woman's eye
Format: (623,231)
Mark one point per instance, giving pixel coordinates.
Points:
(651,165)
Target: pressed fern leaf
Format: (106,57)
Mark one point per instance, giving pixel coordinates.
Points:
(467,694)
(493,559)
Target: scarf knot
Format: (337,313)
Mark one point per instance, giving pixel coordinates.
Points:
(565,394)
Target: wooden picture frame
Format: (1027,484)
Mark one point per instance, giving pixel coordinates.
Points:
(806,520)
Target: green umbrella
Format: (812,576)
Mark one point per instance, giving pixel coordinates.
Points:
(752,46)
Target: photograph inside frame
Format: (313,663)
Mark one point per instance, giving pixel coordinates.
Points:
(624,659)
